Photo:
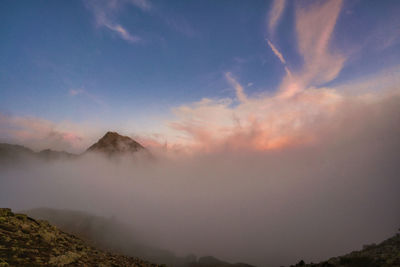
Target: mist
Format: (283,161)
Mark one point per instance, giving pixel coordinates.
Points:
(310,201)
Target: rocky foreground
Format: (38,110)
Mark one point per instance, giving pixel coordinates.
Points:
(28,242)
(25,241)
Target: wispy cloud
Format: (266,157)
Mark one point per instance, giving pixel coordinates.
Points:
(241,96)
(278,6)
(122,32)
(260,122)
(293,114)
(314,26)
(276,52)
(280,56)
(314,29)
(83,92)
(142,4)
(105,13)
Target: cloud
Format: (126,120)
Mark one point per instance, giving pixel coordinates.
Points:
(39,134)
(258,123)
(241,96)
(105,13)
(302,105)
(275,14)
(276,52)
(95,99)
(308,162)
(385,80)
(314,28)
(280,56)
(247,206)
(123,33)
(273,121)
(145,5)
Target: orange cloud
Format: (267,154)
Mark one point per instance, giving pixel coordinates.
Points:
(273,121)
(265,122)
(260,123)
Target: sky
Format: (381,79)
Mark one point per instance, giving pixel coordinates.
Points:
(188,74)
(271,122)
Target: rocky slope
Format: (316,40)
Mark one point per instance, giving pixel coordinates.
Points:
(28,242)
(111,235)
(385,254)
(25,241)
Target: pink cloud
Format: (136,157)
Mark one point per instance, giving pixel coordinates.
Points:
(260,123)
(275,14)
(39,134)
(276,52)
(314,27)
(241,96)
(295,114)
(105,14)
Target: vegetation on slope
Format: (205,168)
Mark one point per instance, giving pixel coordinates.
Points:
(28,242)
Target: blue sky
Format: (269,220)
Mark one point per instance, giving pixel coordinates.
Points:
(127,64)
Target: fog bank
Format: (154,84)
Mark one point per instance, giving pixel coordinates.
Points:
(310,201)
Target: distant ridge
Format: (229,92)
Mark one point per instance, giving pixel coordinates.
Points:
(16,153)
(113,143)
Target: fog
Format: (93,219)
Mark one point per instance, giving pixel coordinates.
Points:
(311,201)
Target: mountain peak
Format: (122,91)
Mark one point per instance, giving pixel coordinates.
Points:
(111,134)
(114,143)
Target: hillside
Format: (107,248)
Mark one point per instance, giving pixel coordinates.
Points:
(105,233)
(25,241)
(384,254)
(111,235)
(28,242)
(15,154)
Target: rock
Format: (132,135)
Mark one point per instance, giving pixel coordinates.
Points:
(27,242)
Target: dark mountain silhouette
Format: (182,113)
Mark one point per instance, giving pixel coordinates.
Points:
(113,143)
(14,154)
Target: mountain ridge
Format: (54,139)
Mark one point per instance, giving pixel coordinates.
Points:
(111,144)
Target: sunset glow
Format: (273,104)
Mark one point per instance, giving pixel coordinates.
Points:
(201,133)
